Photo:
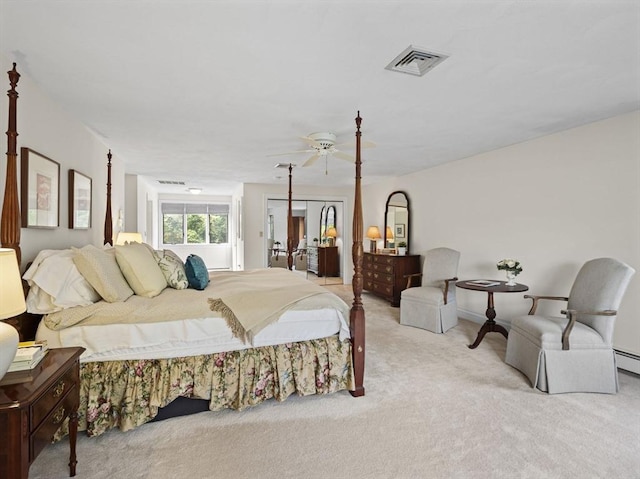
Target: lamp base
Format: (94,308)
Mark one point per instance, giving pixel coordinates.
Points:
(373,246)
(8,346)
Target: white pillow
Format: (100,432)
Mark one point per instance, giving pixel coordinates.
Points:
(55,283)
(140,269)
(100,268)
(172,268)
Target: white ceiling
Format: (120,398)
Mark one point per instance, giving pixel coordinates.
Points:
(203,91)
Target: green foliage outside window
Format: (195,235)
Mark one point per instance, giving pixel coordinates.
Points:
(218,229)
(210,225)
(172,229)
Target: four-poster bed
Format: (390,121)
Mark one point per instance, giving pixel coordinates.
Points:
(339,362)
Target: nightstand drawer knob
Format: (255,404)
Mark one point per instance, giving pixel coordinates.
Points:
(58,416)
(57,392)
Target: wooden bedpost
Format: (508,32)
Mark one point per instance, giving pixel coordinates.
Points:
(356,317)
(108,220)
(10,222)
(290,226)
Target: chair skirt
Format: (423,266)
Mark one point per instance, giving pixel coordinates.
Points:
(553,370)
(417,311)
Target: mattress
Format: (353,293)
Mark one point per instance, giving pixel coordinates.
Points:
(190,337)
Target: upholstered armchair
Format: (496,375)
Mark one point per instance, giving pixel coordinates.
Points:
(573,353)
(432,306)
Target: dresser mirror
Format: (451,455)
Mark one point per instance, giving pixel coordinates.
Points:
(397,222)
(320,220)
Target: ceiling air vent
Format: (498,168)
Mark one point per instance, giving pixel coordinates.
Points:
(415,61)
(171,182)
(284,165)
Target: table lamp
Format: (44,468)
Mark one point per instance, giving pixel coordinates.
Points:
(373,233)
(389,235)
(124,237)
(11,304)
(332,234)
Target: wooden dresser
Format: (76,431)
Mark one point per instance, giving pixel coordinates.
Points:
(384,274)
(33,405)
(323,260)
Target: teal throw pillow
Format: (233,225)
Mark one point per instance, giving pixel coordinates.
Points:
(197,273)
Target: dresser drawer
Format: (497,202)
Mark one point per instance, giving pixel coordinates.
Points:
(384,259)
(383,289)
(43,435)
(383,278)
(383,268)
(55,393)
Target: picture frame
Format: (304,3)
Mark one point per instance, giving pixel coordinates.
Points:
(39,190)
(400,229)
(80,191)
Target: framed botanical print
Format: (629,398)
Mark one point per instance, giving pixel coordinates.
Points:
(39,190)
(79,201)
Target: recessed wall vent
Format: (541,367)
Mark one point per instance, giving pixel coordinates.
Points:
(171,182)
(416,61)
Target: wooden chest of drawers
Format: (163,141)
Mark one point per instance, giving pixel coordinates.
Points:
(384,274)
(33,406)
(323,260)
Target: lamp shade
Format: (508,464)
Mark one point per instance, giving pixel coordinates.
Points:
(11,304)
(332,233)
(389,233)
(11,292)
(373,232)
(124,237)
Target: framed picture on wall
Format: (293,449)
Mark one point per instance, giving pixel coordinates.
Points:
(400,230)
(39,190)
(79,201)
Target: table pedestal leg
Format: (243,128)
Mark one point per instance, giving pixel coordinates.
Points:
(489,325)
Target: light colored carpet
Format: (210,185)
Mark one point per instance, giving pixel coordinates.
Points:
(433,409)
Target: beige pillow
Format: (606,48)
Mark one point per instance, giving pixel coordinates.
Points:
(140,269)
(100,269)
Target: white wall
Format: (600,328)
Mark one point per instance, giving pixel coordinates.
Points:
(553,203)
(44,126)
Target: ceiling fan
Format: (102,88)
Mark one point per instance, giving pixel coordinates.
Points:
(323,145)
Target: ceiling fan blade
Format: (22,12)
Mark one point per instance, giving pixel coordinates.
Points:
(292,153)
(343,156)
(311,160)
(311,142)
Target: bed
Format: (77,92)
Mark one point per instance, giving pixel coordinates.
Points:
(308,341)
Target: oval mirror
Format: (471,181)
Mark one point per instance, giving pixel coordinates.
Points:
(397,222)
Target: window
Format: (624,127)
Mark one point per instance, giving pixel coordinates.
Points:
(195,223)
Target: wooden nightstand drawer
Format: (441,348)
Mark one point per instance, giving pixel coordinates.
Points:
(52,422)
(45,403)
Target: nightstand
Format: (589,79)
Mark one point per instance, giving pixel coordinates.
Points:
(33,405)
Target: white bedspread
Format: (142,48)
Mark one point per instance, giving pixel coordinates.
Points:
(314,317)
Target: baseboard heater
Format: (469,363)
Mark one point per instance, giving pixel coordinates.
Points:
(627,361)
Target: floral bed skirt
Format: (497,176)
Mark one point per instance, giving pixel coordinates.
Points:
(126,394)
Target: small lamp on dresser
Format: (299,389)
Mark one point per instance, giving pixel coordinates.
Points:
(332,234)
(373,233)
(11,304)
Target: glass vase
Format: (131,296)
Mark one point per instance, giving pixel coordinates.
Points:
(511,278)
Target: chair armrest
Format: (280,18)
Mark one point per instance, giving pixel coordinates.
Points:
(535,300)
(572,314)
(410,278)
(446,288)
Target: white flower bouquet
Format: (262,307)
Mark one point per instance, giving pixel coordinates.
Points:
(512,265)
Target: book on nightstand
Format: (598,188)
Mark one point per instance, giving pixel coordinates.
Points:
(28,355)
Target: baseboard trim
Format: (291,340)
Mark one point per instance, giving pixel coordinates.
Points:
(627,361)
